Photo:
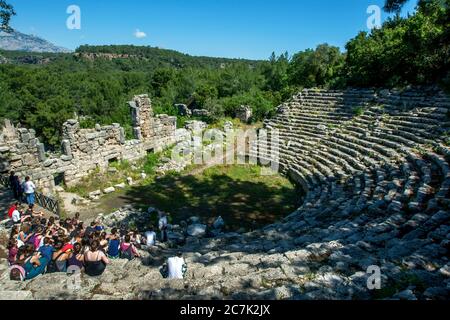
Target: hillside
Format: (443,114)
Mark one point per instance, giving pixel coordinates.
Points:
(164,56)
(17,41)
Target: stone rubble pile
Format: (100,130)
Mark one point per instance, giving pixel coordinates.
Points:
(244,113)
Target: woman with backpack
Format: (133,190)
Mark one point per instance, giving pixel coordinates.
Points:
(127,249)
(95,260)
(59,259)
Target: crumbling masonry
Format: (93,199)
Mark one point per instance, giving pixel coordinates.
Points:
(84,150)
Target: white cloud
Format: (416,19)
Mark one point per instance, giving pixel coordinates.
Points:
(140,34)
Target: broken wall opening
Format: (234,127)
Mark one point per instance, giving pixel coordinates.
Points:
(59,179)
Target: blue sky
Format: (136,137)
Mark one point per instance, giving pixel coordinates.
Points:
(222,28)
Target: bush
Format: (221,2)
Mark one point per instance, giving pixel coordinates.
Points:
(359,111)
(150,164)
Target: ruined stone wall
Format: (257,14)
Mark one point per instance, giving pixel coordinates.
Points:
(84,150)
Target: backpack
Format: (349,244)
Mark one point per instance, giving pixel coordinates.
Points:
(127,254)
(17,273)
(52,267)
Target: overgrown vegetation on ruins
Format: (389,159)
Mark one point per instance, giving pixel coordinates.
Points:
(43,90)
(118,172)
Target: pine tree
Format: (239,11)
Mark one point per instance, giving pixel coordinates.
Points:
(6,12)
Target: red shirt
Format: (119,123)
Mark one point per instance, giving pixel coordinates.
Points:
(67,247)
(11,210)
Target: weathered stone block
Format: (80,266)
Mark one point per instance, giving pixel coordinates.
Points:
(41,152)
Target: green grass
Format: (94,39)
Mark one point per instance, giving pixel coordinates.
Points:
(98,180)
(238,193)
(359,111)
(150,163)
(220,123)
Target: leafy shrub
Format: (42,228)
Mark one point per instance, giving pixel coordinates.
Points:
(151,163)
(359,111)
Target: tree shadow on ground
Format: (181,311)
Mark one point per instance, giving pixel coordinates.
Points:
(242,204)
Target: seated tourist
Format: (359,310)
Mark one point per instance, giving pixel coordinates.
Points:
(46,249)
(37,238)
(12,251)
(150,238)
(14,233)
(128,250)
(43,223)
(67,245)
(76,237)
(114,245)
(14,214)
(50,222)
(90,230)
(95,260)
(17,272)
(85,243)
(76,219)
(136,238)
(59,259)
(22,255)
(96,235)
(24,235)
(35,265)
(103,242)
(98,226)
(76,257)
(176,267)
(11,209)
(71,229)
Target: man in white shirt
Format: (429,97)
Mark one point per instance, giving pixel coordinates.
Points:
(176,267)
(150,237)
(29,188)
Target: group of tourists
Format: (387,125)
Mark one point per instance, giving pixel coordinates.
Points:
(39,245)
(23,191)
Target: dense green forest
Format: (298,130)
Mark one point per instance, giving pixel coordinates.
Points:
(44,90)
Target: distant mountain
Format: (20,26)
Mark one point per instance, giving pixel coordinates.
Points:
(17,41)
